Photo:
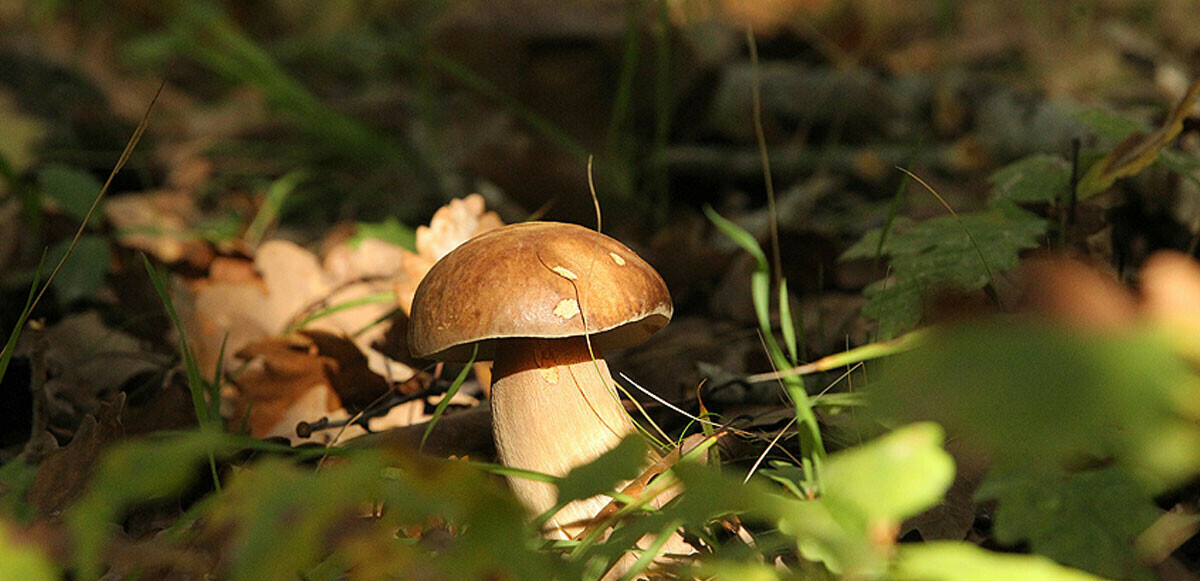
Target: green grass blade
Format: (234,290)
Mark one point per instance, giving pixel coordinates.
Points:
(196,383)
(893,212)
(786,325)
(388,297)
(441,406)
(277,194)
(651,552)
(15,335)
(740,236)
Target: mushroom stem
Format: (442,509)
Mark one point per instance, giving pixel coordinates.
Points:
(554,408)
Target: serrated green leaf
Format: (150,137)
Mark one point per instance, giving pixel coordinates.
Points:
(1037,178)
(1084,519)
(955,561)
(1025,391)
(73,189)
(936,253)
(84,272)
(892,477)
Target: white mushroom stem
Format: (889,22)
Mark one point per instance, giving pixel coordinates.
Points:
(554,408)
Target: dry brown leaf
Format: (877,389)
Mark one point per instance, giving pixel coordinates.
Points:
(453,224)
(85,363)
(249,304)
(284,378)
(63,476)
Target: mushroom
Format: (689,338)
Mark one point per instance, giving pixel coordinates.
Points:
(543,301)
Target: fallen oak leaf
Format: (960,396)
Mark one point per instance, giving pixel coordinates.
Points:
(279,374)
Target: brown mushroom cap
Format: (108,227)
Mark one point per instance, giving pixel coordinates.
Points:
(534,280)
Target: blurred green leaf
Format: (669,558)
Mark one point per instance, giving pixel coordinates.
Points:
(952,561)
(741,570)
(129,473)
(277,193)
(884,481)
(281,514)
(73,189)
(1028,392)
(23,560)
(893,477)
(936,253)
(1037,178)
(21,136)
(494,539)
(1085,519)
(1138,151)
(624,462)
(84,272)
(1108,124)
(16,476)
(391,230)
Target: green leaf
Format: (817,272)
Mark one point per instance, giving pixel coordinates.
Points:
(896,476)
(1087,520)
(740,236)
(74,190)
(130,473)
(282,513)
(10,346)
(1137,151)
(1108,124)
(729,569)
(1025,391)
(84,272)
(449,395)
(1037,178)
(603,474)
(24,560)
(16,477)
(936,253)
(955,561)
(277,193)
(390,230)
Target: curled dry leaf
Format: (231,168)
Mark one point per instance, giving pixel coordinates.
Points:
(250,304)
(285,380)
(85,362)
(453,224)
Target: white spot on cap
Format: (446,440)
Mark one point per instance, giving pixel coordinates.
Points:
(617,258)
(567,308)
(550,374)
(563,272)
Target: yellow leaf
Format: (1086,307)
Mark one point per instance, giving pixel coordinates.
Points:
(1137,151)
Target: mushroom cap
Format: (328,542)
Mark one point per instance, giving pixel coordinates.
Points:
(535,280)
